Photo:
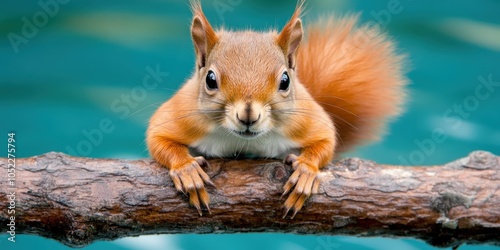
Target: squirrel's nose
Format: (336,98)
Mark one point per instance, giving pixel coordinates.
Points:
(247,119)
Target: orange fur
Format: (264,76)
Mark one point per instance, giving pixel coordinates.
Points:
(344,83)
(355,74)
(173,126)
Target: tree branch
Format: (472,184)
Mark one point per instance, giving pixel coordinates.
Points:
(80,200)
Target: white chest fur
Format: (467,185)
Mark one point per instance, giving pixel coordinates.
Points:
(222,143)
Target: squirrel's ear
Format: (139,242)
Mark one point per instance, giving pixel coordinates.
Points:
(289,38)
(202,33)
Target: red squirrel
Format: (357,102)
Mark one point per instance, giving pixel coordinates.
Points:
(299,97)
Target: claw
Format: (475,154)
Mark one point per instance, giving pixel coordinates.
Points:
(290,159)
(299,203)
(285,192)
(194,200)
(286,212)
(202,162)
(289,203)
(177,183)
(189,179)
(288,186)
(203,195)
(210,183)
(315,189)
(301,184)
(291,182)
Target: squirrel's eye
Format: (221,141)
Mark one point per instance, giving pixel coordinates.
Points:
(211,81)
(285,82)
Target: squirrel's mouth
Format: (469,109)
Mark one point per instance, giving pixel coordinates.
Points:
(247,134)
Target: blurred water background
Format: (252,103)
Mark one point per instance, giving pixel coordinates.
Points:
(67,66)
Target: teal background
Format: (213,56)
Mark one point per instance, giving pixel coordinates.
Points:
(78,68)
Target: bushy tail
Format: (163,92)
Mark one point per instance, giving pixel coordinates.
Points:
(355,74)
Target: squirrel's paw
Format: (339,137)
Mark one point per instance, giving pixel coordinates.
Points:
(190,179)
(304,182)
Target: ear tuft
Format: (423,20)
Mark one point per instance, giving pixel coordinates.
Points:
(289,38)
(202,33)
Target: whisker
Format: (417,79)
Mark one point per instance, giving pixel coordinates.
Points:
(304,111)
(315,118)
(205,111)
(237,146)
(196,97)
(296,112)
(312,99)
(248,147)
(183,117)
(321,103)
(333,97)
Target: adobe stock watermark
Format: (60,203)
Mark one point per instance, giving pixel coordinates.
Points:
(31,26)
(453,117)
(123,106)
(11,186)
(223,6)
(381,19)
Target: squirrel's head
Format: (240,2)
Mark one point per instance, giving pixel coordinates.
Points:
(249,77)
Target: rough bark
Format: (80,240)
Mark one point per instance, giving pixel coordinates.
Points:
(80,200)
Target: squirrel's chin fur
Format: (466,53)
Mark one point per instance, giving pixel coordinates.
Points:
(220,143)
